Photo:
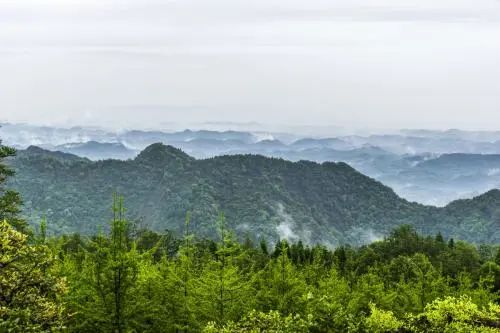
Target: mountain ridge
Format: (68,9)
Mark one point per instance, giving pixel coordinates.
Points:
(329,203)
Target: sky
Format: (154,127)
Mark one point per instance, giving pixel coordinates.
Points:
(151,63)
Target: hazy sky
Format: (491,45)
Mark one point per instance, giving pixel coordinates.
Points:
(381,63)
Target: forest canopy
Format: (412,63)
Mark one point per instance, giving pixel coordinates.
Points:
(267,198)
(125,278)
(142,281)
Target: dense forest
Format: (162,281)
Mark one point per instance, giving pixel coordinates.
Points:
(266,198)
(141,281)
(125,278)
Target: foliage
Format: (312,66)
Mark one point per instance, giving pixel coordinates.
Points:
(10,200)
(271,322)
(105,294)
(381,321)
(137,280)
(30,289)
(400,283)
(266,198)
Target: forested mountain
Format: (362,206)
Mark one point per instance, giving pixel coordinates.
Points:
(429,167)
(128,278)
(270,198)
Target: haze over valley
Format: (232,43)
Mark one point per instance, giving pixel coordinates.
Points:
(426,166)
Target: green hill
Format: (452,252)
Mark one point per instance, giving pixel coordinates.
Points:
(329,203)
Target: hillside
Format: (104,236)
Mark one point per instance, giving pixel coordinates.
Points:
(428,167)
(329,203)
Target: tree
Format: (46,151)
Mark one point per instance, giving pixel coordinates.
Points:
(329,302)
(459,257)
(415,280)
(451,243)
(490,272)
(380,321)
(263,247)
(178,280)
(104,291)
(497,257)
(439,238)
(452,314)
(281,286)
(10,201)
(272,321)
(223,288)
(486,252)
(30,289)
(341,258)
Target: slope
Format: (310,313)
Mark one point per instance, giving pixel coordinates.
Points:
(262,197)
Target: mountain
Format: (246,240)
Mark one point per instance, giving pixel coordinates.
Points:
(458,164)
(405,144)
(436,179)
(426,166)
(37,154)
(24,135)
(330,203)
(141,139)
(476,136)
(97,150)
(333,143)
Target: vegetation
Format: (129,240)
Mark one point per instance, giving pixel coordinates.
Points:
(31,289)
(125,278)
(266,198)
(118,282)
(10,201)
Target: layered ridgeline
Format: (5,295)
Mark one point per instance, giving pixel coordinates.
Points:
(329,203)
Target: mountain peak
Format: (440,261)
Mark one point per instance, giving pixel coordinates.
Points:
(491,194)
(162,154)
(38,151)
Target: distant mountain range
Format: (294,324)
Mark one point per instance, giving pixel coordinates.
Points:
(262,197)
(429,167)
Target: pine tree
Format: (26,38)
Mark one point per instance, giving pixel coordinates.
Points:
(281,286)
(223,288)
(263,247)
(179,275)
(105,289)
(451,243)
(497,257)
(341,258)
(42,237)
(439,238)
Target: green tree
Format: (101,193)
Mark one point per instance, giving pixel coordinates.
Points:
(497,257)
(224,289)
(179,281)
(415,281)
(10,200)
(104,293)
(328,303)
(30,288)
(256,322)
(281,286)
(452,314)
(490,271)
(460,257)
(380,321)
